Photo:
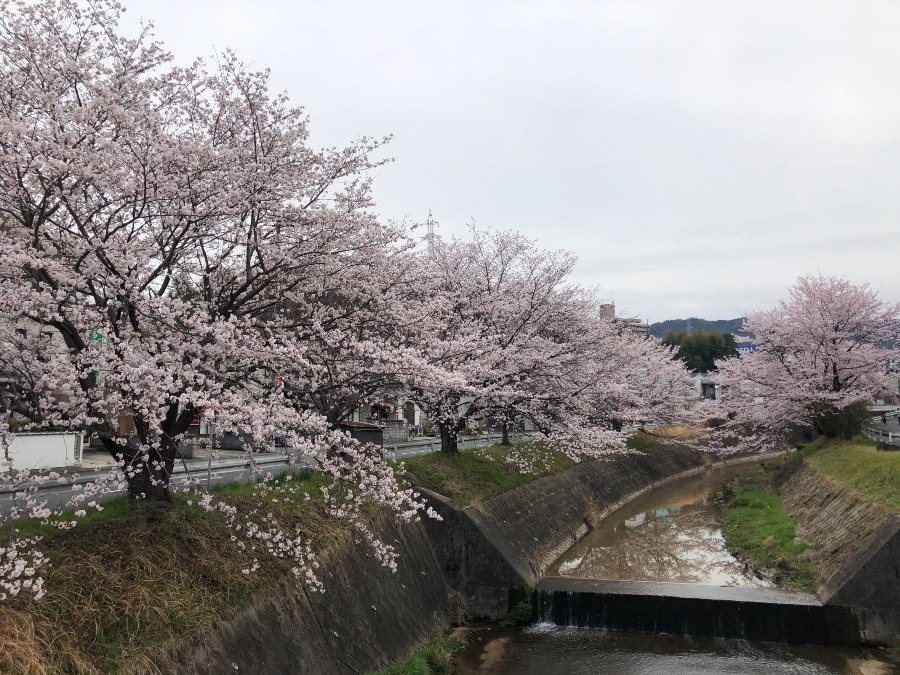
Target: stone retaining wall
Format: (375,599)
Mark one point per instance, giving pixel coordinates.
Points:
(367,618)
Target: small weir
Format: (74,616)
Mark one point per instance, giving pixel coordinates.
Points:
(766,614)
(659,564)
(653,590)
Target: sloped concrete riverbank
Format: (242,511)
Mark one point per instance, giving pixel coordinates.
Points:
(482,559)
(857,549)
(365,620)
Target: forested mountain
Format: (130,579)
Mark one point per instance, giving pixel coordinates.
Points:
(693,324)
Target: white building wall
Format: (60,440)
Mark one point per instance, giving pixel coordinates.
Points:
(39,450)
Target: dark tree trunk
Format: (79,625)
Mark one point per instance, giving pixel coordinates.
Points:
(148,469)
(505,440)
(146,480)
(449,441)
(149,480)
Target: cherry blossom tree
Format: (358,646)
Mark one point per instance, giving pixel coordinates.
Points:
(607,382)
(488,299)
(192,252)
(820,356)
(517,340)
(355,331)
(160,219)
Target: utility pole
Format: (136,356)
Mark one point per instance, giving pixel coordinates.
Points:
(430,223)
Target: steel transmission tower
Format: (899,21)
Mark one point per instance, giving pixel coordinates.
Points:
(430,224)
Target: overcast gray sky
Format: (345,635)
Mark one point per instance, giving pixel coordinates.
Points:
(697,156)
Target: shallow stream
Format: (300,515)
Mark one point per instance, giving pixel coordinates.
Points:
(671,535)
(550,650)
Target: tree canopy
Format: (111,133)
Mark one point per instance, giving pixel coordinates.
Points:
(819,360)
(195,256)
(701,349)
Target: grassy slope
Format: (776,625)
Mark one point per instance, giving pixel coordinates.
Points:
(640,440)
(472,476)
(857,466)
(760,532)
(120,587)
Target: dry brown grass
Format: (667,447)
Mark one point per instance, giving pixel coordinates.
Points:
(22,651)
(680,432)
(122,589)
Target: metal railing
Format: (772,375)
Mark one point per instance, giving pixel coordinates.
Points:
(206,468)
(428,444)
(883,435)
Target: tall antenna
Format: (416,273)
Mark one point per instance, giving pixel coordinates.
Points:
(430,223)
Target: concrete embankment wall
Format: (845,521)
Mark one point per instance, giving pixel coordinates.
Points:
(488,556)
(367,618)
(493,551)
(856,545)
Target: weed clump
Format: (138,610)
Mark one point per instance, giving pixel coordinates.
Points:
(520,615)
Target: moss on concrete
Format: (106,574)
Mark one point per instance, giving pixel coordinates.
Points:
(435,658)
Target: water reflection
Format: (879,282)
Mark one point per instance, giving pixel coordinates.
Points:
(673,535)
(546,650)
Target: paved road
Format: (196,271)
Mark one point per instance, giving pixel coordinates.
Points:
(889,432)
(220,471)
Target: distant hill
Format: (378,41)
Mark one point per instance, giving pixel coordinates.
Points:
(690,325)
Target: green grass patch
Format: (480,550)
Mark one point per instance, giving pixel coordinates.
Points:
(857,466)
(759,531)
(122,587)
(472,476)
(641,440)
(435,658)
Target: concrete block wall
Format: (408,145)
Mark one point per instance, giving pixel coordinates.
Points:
(856,545)
(367,618)
(493,552)
(395,431)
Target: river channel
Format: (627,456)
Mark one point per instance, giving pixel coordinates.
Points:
(670,535)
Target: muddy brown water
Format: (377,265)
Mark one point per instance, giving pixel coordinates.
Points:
(673,534)
(550,650)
